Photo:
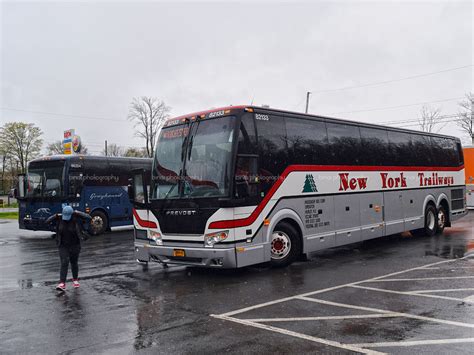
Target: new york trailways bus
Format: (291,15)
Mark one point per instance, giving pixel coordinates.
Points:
(92,184)
(244,185)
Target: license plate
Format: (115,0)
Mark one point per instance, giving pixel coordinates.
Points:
(178,252)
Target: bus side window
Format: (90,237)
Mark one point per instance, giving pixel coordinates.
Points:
(400,149)
(272,149)
(422,155)
(247,137)
(307,141)
(460,153)
(443,151)
(344,143)
(75,184)
(374,146)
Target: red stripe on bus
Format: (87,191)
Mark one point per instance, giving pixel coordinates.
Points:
(142,222)
(244,222)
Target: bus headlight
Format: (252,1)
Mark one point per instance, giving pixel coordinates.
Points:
(156,237)
(213,238)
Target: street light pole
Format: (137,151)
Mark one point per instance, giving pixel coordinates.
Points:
(307,101)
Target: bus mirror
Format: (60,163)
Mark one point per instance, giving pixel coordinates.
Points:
(19,191)
(130,191)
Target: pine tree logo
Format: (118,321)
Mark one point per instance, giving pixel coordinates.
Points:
(309,185)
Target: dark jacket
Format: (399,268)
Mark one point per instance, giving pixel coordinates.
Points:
(77,218)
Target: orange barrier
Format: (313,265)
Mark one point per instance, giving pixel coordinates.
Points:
(469,171)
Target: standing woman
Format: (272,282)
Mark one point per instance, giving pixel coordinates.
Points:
(69,232)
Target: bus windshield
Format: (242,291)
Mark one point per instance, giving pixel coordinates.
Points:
(45,180)
(194,160)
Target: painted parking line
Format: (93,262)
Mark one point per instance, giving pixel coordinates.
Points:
(445,290)
(378,278)
(401,314)
(414,343)
(299,319)
(299,335)
(426,279)
(408,293)
(378,313)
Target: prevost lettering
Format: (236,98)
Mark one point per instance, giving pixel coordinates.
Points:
(180,213)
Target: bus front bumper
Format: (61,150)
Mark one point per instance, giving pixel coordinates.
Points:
(35,224)
(205,257)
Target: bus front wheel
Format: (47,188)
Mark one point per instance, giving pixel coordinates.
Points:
(98,223)
(285,245)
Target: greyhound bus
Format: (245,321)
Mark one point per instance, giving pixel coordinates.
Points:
(92,184)
(243,185)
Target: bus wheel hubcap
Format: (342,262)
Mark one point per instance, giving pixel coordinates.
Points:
(97,223)
(431,220)
(441,219)
(281,245)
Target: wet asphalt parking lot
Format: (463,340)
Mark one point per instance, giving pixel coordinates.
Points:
(399,294)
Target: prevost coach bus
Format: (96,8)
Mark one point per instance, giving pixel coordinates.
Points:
(244,185)
(93,184)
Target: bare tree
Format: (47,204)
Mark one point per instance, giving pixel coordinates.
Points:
(22,141)
(55,148)
(148,114)
(58,148)
(113,150)
(465,119)
(136,153)
(430,117)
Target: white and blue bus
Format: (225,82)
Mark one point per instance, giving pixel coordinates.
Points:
(92,184)
(244,185)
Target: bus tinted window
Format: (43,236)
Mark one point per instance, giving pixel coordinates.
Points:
(400,149)
(247,138)
(344,144)
(421,152)
(460,153)
(444,151)
(307,141)
(272,148)
(97,172)
(374,146)
(119,171)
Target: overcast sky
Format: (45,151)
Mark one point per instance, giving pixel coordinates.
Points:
(90,59)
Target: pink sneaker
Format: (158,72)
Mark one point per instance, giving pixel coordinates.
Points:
(61,286)
(75,283)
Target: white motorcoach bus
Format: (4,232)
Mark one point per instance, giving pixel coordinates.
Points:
(243,185)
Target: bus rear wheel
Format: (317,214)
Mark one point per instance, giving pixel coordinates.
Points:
(285,245)
(442,219)
(98,223)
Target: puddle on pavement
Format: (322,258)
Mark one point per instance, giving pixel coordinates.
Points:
(22,284)
(449,248)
